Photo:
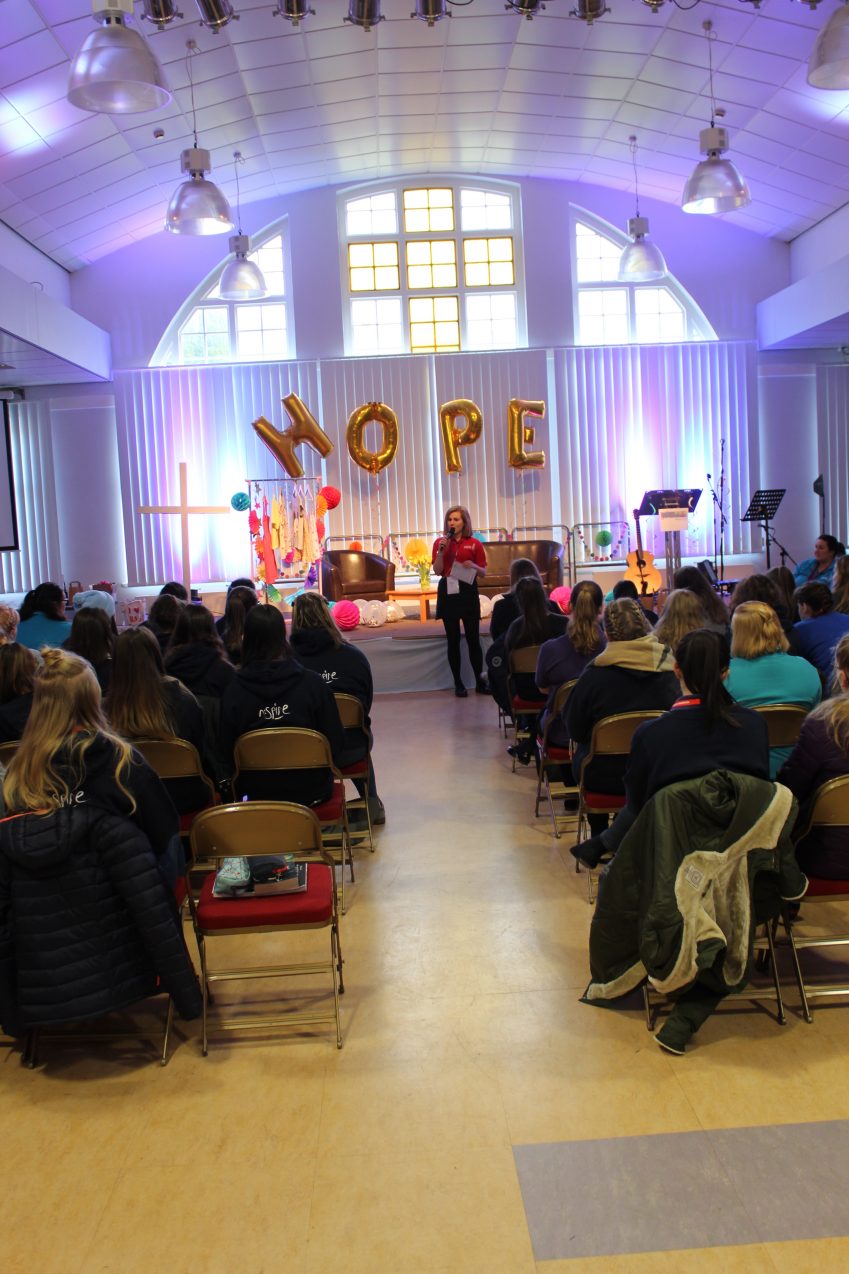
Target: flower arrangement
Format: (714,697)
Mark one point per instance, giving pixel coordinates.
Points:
(417,554)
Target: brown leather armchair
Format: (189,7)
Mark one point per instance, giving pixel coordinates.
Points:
(348,574)
(547,556)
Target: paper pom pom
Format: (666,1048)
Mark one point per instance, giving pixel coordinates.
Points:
(486,606)
(253,523)
(374,614)
(272,593)
(346,615)
(240,501)
(320,506)
(319,528)
(290,557)
(603,539)
(561,596)
(355,546)
(394,613)
(312,576)
(331,496)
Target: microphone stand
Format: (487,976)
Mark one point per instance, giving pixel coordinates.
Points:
(723,521)
(772,537)
(716,506)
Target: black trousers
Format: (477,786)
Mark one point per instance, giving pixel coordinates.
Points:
(456,609)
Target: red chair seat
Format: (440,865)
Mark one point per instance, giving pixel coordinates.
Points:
(186,820)
(358,770)
(555,754)
(526,705)
(602,801)
(313,906)
(820,888)
(181,888)
(330,811)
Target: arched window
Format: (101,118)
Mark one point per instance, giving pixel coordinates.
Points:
(608,312)
(208,329)
(432,266)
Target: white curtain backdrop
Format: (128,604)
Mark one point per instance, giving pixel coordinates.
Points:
(833,444)
(31,440)
(618,420)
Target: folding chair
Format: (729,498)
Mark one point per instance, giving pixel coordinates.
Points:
(552,757)
(8,750)
(352,716)
(523,661)
(783,723)
(253,827)
(289,749)
(611,737)
(30,1056)
(178,759)
(830,809)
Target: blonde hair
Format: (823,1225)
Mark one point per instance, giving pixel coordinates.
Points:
(583,628)
(835,712)
(9,620)
(682,613)
(756,630)
(65,720)
(310,610)
(625,620)
(840,587)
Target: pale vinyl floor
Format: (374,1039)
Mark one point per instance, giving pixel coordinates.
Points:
(465,946)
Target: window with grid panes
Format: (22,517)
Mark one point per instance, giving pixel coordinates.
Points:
(456,273)
(608,312)
(208,329)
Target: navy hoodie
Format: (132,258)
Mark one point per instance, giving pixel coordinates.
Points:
(277,693)
(202,669)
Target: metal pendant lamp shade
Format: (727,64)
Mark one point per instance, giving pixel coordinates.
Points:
(641,261)
(715,184)
(115,72)
(829,63)
(197,206)
(241,280)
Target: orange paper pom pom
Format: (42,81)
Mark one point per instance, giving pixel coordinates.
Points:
(320,506)
(355,546)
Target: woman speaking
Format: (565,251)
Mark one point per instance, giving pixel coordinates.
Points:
(459,559)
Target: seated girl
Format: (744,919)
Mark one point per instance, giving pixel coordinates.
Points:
(18,668)
(564,658)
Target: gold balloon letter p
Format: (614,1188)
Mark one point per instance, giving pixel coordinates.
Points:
(304,428)
(520,435)
(452,437)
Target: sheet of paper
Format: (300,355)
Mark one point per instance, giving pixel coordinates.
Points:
(452,585)
(466,574)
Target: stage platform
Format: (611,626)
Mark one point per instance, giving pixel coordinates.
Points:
(410,655)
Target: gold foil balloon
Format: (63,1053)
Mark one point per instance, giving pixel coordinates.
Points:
(303,428)
(452,437)
(368,413)
(520,435)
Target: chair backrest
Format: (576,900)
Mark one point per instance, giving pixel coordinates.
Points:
(8,750)
(283,748)
(174,759)
(831,805)
(783,723)
(612,735)
(523,660)
(351,712)
(558,703)
(257,827)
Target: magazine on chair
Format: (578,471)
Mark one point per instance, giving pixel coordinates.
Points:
(262,876)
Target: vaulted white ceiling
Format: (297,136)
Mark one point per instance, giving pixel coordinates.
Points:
(485,91)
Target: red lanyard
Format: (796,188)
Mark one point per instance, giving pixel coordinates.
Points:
(693,702)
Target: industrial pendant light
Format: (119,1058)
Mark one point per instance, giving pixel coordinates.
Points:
(364,13)
(640,262)
(197,205)
(431,11)
(215,14)
(829,63)
(160,12)
(293,11)
(241,280)
(715,184)
(115,72)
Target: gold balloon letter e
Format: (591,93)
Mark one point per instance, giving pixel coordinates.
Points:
(452,437)
(303,428)
(520,435)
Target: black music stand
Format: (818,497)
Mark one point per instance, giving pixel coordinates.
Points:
(763,506)
(669,500)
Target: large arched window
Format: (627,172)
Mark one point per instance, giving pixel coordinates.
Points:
(432,266)
(608,312)
(208,329)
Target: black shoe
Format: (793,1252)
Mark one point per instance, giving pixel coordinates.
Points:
(461,692)
(519,754)
(378,813)
(589,852)
(481,686)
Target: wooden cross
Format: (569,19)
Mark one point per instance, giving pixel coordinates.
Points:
(184,509)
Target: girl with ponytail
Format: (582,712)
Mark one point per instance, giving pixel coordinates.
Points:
(704,730)
(565,658)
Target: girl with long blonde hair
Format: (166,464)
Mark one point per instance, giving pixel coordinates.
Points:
(68,755)
(822,753)
(682,613)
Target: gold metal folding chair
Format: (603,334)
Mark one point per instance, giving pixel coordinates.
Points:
(551,758)
(289,749)
(523,662)
(258,827)
(783,723)
(352,716)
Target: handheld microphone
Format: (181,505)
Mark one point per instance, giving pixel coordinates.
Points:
(710,477)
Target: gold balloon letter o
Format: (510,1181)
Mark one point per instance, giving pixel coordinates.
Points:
(520,435)
(368,413)
(303,428)
(452,437)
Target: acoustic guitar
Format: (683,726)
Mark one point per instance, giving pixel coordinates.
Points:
(641,568)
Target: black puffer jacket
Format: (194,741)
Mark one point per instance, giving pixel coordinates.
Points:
(86,922)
